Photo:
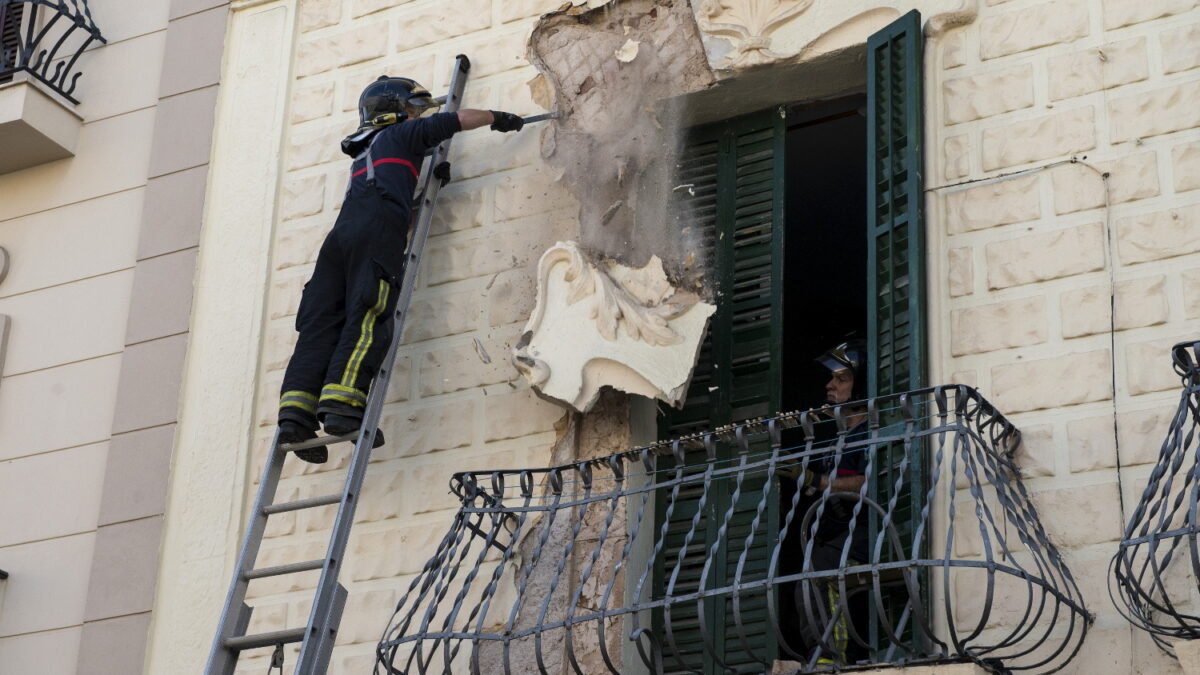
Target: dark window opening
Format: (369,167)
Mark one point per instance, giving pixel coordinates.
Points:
(813,214)
(782,193)
(825,286)
(825,267)
(10,27)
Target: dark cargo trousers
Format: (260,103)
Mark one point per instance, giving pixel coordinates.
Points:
(819,603)
(344,315)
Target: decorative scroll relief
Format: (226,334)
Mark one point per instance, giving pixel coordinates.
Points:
(602,324)
(745,33)
(747,24)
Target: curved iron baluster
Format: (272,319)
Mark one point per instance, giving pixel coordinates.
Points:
(1164,521)
(967,445)
(57,41)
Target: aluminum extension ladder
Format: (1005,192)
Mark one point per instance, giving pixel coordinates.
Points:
(330,598)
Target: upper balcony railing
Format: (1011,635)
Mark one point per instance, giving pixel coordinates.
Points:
(45,39)
(701,555)
(1156,568)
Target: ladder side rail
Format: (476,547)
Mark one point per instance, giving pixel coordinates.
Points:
(222,660)
(319,640)
(425,208)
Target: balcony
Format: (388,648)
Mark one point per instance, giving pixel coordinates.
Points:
(700,555)
(41,42)
(1153,575)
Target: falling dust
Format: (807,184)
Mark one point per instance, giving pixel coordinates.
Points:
(616,73)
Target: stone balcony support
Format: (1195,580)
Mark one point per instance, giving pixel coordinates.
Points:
(35,127)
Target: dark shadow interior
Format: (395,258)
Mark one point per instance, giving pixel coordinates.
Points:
(825,278)
(825,268)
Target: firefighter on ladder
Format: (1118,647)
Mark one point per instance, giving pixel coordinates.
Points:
(352,292)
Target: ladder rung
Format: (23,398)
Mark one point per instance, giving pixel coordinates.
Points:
(319,441)
(279,637)
(290,568)
(309,503)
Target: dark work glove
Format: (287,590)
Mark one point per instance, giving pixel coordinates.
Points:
(503,121)
(442,172)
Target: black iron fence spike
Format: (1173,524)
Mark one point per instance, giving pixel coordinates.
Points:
(58,39)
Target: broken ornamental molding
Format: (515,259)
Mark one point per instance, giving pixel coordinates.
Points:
(747,25)
(600,324)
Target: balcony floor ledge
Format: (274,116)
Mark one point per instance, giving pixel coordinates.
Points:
(35,127)
(789,667)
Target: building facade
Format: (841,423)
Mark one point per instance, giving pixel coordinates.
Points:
(1060,188)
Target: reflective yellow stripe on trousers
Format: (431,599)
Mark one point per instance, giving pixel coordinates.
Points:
(365,337)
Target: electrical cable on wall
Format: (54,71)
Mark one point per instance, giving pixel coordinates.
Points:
(1110,264)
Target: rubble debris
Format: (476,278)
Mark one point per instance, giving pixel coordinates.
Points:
(610,212)
(483,355)
(628,51)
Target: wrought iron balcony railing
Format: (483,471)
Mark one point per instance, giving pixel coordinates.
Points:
(703,555)
(1155,570)
(45,39)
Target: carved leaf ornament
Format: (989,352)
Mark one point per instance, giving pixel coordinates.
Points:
(748,24)
(598,323)
(636,306)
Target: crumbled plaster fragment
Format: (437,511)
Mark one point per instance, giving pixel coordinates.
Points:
(603,324)
(628,51)
(539,91)
(617,138)
(483,355)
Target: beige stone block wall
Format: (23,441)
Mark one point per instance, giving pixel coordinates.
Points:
(1063,253)
(1019,270)
(455,402)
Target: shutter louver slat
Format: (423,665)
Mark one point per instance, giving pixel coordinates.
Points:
(10,38)
(896,248)
(736,378)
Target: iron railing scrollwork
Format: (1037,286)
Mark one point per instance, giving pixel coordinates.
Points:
(552,570)
(45,39)
(1153,576)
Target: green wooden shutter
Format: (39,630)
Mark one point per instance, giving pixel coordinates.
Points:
(896,262)
(735,169)
(895,222)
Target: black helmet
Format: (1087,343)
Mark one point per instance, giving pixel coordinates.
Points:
(850,354)
(399,95)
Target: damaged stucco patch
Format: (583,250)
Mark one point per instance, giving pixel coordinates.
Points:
(602,324)
(611,72)
(544,594)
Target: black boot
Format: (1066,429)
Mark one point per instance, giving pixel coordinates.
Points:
(342,425)
(293,431)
